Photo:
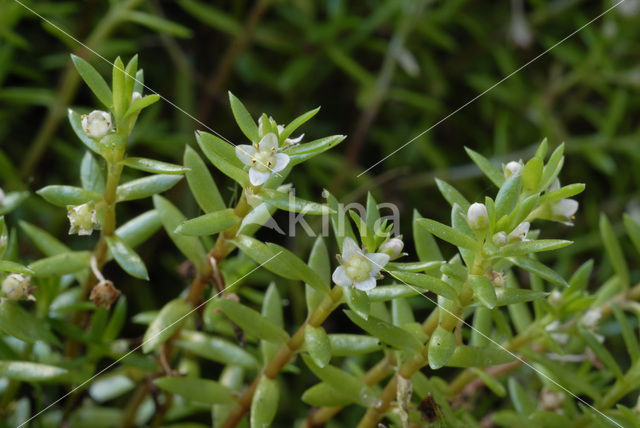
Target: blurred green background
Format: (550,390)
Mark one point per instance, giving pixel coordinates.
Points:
(383,72)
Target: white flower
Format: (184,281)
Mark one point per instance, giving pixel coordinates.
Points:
(16,286)
(520,232)
(564,209)
(552,328)
(82,219)
(591,318)
(262,158)
(358,269)
(393,247)
(512,168)
(135,97)
(477,216)
(96,124)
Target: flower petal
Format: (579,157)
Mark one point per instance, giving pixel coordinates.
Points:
(295,140)
(340,277)
(245,152)
(281,163)
(565,208)
(269,142)
(349,248)
(257,178)
(366,285)
(378,260)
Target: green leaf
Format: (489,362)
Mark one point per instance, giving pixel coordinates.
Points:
(199,390)
(628,335)
(442,345)
(614,251)
(297,122)
(426,282)
(531,174)
(21,324)
(299,268)
(141,103)
(448,234)
(492,383)
(264,404)
(479,356)
(426,246)
(243,119)
(531,265)
(602,353)
(12,200)
(145,187)
(339,222)
(215,349)
(303,152)
(358,301)
(45,242)
(342,381)
(252,322)
(92,174)
(76,124)
(9,266)
(111,386)
(223,156)
(209,224)
(343,345)
(521,400)
(322,394)
(321,265)
(580,278)
(129,81)
(139,229)
(413,266)
(562,193)
(508,195)
(511,296)
(63,196)
(120,100)
(61,264)
(389,334)
(385,293)
(528,247)
(452,195)
(168,321)
(288,202)
(94,80)
(154,166)
(171,217)
(484,290)
(127,258)
(201,183)
(158,24)
(633,230)
(25,371)
(264,255)
(552,168)
(491,171)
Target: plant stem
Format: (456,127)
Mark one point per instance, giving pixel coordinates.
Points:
(285,354)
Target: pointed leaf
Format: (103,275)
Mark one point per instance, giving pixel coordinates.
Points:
(209,224)
(201,183)
(63,196)
(528,247)
(479,356)
(154,166)
(9,266)
(30,372)
(265,403)
(252,322)
(288,202)
(94,80)
(21,324)
(168,321)
(199,390)
(448,233)
(147,186)
(442,345)
(297,122)
(531,265)
(484,290)
(127,258)
(491,171)
(304,152)
(243,119)
(387,333)
(223,156)
(614,251)
(61,264)
(215,349)
(426,282)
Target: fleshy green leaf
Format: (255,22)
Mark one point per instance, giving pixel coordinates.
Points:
(141,104)
(448,233)
(30,372)
(442,345)
(288,202)
(223,156)
(389,334)
(628,334)
(426,282)
(92,174)
(511,296)
(492,383)
(528,247)
(94,80)
(244,120)
(215,349)
(552,168)
(452,195)
(321,265)
(614,251)
(198,390)
(413,266)
(120,99)
(43,240)
(168,321)
(140,228)
(21,324)
(343,345)
(61,264)
(127,258)
(478,356)
(358,301)
(146,186)
(342,381)
(9,266)
(490,170)
(306,151)
(537,268)
(252,322)
(507,196)
(209,224)
(201,183)
(154,166)
(426,246)
(323,394)
(297,122)
(484,290)
(602,353)
(63,196)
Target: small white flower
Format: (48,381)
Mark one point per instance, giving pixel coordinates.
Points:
(551,400)
(393,247)
(520,232)
(500,239)
(552,328)
(82,219)
(16,286)
(97,124)
(135,97)
(357,268)
(512,168)
(591,318)
(262,158)
(564,209)
(477,216)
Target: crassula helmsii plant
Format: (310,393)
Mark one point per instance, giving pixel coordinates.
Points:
(488,334)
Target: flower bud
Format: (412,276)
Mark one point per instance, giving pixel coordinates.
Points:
(590,319)
(135,97)
(82,219)
(393,247)
(555,298)
(104,294)
(500,239)
(477,216)
(512,168)
(16,286)
(97,124)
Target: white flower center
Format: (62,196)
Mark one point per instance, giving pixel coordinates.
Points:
(358,268)
(263,160)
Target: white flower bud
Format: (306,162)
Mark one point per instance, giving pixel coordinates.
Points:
(104,294)
(477,216)
(500,239)
(512,168)
(82,219)
(552,328)
(135,97)
(393,247)
(555,298)
(96,124)
(16,286)
(591,318)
